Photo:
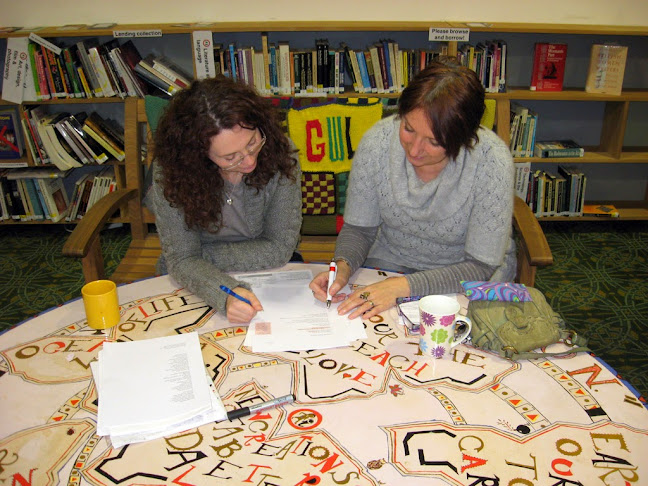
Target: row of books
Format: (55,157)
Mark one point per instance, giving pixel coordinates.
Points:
(35,194)
(71,140)
(89,189)
(382,67)
(278,69)
(488,60)
(89,69)
(523,130)
(551,194)
(40,195)
(522,137)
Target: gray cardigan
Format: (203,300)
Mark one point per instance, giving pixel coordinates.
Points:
(457,226)
(198,260)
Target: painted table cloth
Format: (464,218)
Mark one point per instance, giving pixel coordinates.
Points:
(374,413)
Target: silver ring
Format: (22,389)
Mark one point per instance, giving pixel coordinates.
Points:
(364,295)
(372,304)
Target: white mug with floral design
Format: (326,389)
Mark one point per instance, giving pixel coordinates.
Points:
(440,328)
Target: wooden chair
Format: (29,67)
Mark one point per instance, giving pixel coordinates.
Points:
(144,250)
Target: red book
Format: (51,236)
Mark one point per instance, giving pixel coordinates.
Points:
(548,67)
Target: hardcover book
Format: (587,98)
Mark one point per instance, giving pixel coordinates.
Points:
(548,66)
(558,148)
(606,69)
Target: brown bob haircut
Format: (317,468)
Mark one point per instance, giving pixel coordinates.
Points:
(452,98)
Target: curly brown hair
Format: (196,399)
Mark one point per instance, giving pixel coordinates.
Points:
(194,115)
(452,98)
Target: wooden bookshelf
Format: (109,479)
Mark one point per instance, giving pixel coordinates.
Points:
(609,151)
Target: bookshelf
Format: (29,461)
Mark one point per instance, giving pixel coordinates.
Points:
(607,122)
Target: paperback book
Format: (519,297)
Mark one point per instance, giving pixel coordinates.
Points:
(548,66)
(558,148)
(600,210)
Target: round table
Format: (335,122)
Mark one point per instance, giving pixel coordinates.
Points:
(373,413)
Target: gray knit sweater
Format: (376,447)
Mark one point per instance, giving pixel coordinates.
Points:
(455,227)
(198,260)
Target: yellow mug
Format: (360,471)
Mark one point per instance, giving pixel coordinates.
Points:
(101,304)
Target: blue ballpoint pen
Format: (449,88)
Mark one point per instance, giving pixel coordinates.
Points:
(234,294)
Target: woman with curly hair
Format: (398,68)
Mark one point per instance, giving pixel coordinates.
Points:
(226,191)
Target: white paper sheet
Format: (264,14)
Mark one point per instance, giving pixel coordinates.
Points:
(153,388)
(292,319)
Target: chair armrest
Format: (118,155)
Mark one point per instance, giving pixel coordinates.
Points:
(87,230)
(532,236)
(533,250)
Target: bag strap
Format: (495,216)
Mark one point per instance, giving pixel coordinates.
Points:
(569,337)
(508,353)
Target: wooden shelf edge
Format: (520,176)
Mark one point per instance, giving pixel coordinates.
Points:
(62,222)
(568,94)
(625,214)
(590,157)
(344,25)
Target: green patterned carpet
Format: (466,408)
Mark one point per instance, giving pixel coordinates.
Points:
(598,283)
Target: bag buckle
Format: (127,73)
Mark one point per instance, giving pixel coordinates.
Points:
(572,336)
(509,351)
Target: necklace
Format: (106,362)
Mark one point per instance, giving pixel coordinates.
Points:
(228,198)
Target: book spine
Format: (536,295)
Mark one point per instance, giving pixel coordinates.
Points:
(37,207)
(119,155)
(34,72)
(154,80)
(374,60)
(73,74)
(101,73)
(364,72)
(266,60)
(371,71)
(89,70)
(60,127)
(171,74)
(55,86)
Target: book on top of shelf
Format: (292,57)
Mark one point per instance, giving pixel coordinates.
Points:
(154,78)
(558,148)
(548,66)
(606,69)
(171,71)
(37,173)
(600,210)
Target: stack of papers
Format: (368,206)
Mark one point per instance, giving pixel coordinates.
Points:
(153,388)
(292,319)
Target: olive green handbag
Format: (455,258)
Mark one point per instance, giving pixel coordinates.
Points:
(512,329)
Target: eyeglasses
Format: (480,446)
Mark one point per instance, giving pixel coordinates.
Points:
(251,152)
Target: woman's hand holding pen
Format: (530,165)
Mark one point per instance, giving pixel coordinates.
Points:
(240,312)
(319,285)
